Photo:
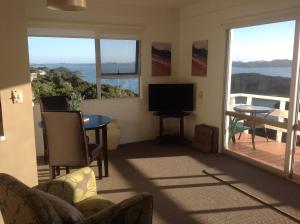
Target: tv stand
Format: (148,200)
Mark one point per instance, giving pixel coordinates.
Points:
(169,139)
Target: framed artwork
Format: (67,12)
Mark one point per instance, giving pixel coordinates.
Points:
(199,58)
(161,59)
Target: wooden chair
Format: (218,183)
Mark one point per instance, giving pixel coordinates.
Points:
(52,103)
(67,143)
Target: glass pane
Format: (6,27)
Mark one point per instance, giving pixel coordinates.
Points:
(118,56)
(62,66)
(260,87)
(114,88)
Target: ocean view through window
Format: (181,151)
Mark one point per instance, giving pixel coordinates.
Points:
(64,66)
(119,67)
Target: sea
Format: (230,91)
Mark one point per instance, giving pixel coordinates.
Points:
(88,72)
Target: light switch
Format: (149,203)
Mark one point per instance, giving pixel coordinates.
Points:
(16,96)
(200,94)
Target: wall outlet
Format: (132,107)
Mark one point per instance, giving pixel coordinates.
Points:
(17,96)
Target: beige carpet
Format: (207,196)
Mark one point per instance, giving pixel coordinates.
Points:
(184,194)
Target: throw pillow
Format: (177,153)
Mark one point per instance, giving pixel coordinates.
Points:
(68,213)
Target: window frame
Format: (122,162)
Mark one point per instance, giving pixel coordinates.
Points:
(99,74)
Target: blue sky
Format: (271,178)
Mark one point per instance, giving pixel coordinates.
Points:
(47,50)
(263,42)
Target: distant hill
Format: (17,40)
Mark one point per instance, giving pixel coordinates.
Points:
(273,63)
(254,83)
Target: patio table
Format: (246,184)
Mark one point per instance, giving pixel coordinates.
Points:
(253,111)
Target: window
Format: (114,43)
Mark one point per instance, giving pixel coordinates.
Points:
(119,68)
(64,66)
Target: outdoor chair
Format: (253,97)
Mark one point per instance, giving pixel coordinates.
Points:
(67,143)
(69,199)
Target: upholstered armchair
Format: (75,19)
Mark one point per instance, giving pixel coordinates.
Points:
(71,198)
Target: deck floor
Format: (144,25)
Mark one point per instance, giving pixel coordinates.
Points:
(269,152)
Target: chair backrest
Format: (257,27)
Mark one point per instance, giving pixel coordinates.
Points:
(66,140)
(54,103)
(20,204)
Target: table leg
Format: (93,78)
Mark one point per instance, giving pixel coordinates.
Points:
(253,133)
(105,151)
(97,136)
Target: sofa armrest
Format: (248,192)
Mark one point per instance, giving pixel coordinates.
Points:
(135,210)
(73,187)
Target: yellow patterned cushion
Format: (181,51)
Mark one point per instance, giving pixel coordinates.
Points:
(92,205)
(75,187)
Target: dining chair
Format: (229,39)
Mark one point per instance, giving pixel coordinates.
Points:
(54,103)
(67,143)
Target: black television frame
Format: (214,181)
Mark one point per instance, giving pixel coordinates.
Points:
(158,95)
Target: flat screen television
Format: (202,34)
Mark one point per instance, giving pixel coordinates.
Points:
(171,97)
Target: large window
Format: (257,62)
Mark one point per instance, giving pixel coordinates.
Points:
(68,66)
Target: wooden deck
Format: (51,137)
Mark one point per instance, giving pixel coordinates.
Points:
(270,153)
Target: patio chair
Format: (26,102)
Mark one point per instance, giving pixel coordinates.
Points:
(235,127)
(67,142)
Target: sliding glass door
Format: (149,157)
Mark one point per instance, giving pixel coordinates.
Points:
(262,102)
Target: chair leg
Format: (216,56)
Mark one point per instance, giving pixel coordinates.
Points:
(99,163)
(67,169)
(266,133)
(52,172)
(57,170)
(240,136)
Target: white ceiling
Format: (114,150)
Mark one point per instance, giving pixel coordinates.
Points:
(154,3)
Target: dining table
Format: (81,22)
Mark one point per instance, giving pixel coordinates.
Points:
(98,122)
(253,111)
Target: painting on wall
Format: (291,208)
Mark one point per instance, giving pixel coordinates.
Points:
(199,58)
(161,59)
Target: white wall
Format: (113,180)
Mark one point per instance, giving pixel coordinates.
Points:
(208,21)
(17,151)
(153,25)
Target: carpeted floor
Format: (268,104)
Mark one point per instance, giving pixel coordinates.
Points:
(190,187)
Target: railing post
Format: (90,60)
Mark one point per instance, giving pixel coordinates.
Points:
(231,102)
(280,119)
(249,100)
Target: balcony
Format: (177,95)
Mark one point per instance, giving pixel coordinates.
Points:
(272,152)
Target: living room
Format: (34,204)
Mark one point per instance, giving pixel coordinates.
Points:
(178,23)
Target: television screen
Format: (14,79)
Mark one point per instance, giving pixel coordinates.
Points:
(171,97)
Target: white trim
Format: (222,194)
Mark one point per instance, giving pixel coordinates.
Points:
(2,138)
(293,105)
(227,90)
(83,30)
(273,16)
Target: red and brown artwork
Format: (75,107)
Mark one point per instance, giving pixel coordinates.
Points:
(161,59)
(199,58)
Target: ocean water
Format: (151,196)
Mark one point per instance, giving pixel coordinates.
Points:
(270,71)
(88,72)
